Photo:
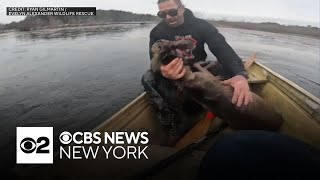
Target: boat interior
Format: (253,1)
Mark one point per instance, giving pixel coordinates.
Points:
(300,110)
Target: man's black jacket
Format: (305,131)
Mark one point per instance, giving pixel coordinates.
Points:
(200,32)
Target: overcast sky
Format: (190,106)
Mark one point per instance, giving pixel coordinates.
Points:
(302,12)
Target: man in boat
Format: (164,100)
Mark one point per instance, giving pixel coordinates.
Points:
(179,23)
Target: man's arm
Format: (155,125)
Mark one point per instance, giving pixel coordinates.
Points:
(231,62)
(222,50)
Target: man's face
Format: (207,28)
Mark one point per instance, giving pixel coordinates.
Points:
(170,7)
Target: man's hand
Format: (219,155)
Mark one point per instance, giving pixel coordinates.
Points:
(174,70)
(242,94)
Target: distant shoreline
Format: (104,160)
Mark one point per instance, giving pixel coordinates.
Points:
(74,25)
(305,31)
(290,34)
(221,24)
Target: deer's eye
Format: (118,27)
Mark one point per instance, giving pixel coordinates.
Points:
(159,47)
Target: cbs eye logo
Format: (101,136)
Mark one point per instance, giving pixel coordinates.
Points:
(34,145)
(29,145)
(65,137)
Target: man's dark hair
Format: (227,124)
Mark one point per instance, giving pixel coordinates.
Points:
(178,2)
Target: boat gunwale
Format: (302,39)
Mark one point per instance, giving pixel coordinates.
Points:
(290,83)
(119,112)
(304,99)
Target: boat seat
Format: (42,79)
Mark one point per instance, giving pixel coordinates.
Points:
(255,80)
